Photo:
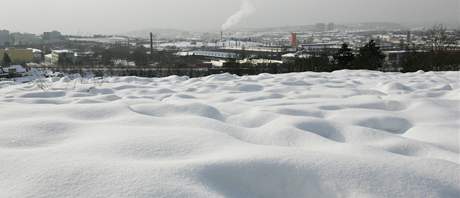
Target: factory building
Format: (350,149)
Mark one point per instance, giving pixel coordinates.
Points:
(60,57)
(52,37)
(319,47)
(18,56)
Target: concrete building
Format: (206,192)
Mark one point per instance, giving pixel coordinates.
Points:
(38,55)
(51,59)
(19,39)
(60,57)
(87,58)
(330,27)
(4,38)
(320,27)
(52,37)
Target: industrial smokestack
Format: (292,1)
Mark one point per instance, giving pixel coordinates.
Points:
(151,45)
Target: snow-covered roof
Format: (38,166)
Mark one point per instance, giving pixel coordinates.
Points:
(217,63)
(35,50)
(290,55)
(216,54)
(62,51)
(184,53)
(295,55)
(260,61)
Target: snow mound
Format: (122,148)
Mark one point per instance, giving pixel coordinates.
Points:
(161,110)
(339,134)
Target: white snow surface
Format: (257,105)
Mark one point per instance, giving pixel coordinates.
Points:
(340,134)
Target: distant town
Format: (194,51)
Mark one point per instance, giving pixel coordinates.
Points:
(319,47)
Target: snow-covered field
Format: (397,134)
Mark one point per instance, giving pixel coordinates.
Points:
(341,134)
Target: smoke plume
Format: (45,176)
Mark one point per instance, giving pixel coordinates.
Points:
(247,8)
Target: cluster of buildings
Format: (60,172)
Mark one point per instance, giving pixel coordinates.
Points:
(323,39)
(207,49)
(30,55)
(8,38)
(50,48)
(24,50)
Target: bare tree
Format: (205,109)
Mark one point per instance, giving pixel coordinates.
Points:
(443,48)
(440,38)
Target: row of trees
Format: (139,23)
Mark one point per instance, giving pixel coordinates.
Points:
(368,57)
(441,54)
(431,61)
(371,57)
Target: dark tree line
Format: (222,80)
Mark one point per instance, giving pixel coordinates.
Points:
(431,61)
(368,57)
(440,57)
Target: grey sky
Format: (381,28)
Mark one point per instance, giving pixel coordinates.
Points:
(113,16)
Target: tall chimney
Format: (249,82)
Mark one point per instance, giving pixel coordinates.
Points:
(222,38)
(151,45)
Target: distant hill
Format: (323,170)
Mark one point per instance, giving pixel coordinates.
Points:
(376,26)
(300,28)
(159,33)
(308,28)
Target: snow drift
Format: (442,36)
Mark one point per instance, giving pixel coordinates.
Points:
(340,134)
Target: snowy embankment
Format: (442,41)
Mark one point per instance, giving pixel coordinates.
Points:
(341,134)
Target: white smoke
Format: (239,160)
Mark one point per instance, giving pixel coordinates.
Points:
(247,8)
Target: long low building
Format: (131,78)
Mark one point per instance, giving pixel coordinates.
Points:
(318,47)
(212,54)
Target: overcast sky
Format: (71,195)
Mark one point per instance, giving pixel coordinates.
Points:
(116,16)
